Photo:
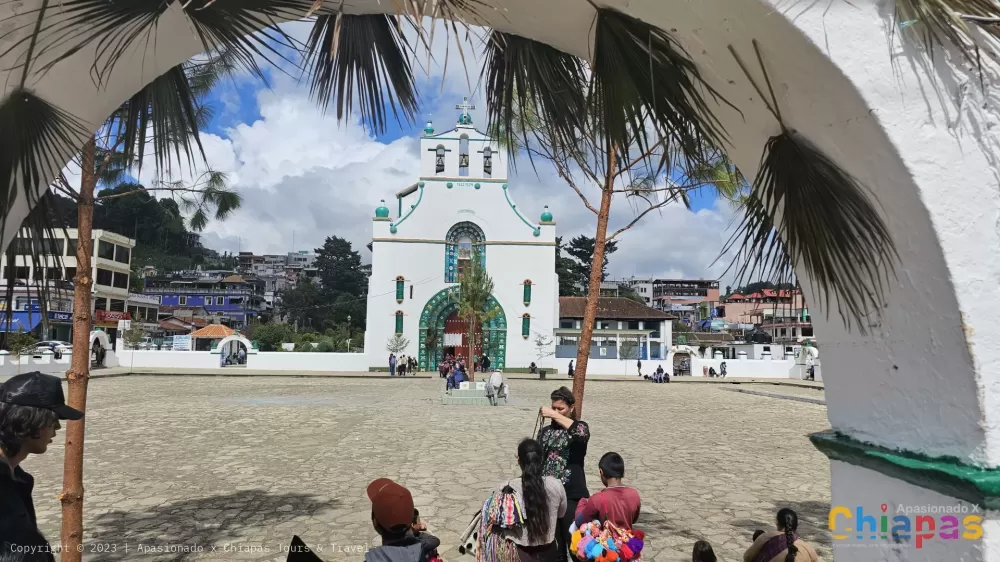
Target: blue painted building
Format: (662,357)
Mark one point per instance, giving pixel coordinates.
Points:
(235,301)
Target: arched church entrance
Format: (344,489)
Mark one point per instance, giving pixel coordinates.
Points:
(443,332)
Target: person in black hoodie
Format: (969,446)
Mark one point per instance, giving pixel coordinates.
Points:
(31,406)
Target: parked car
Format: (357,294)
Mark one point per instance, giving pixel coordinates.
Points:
(55,346)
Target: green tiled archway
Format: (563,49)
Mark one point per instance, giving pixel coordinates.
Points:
(432,319)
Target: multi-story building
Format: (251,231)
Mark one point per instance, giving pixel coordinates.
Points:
(143,311)
(232,300)
(780,312)
(110,267)
(618,319)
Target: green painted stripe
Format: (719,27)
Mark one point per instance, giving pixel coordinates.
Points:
(487,243)
(506,193)
(945,475)
(463,179)
(413,208)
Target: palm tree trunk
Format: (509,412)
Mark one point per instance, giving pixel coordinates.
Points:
(79,371)
(594,287)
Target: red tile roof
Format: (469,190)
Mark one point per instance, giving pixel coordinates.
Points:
(610,308)
(213,331)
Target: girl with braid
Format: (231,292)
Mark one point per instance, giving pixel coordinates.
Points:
(781,545)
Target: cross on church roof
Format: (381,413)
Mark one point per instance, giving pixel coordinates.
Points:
(465,106)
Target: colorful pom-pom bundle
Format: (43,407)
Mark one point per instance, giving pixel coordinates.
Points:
(606,544)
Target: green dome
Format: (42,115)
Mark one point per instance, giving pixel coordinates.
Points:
(546,215)
(382,211)
(429,129)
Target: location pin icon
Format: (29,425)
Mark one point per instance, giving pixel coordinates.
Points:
(884,508)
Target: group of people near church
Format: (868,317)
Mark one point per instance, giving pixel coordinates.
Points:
(399,366)
(658,376)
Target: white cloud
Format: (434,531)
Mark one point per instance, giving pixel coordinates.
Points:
(302,174)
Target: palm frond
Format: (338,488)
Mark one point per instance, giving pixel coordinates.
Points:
(640,74)
(720,173)
(937,22)
(116,27)
(363,56)
(167,108)
(530,86)
(826,224)
(37,137)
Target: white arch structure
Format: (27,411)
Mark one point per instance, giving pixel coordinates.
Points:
(920,135)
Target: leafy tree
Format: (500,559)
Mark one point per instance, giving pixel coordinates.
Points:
(133,337)
(543,346)
(628,350)
(582,249)
(344,280)
(397,344)
(627,292)
(20,343)
(270,336)
(326,346)
(567,269)
(304,306)
(475,287)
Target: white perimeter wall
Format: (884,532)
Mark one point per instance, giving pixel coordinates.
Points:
(854,486)
(760,368)
(271,361)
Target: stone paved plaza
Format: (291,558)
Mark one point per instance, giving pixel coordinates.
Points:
(245,463)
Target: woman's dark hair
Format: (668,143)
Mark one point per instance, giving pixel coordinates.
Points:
(563,394)
(703,552)
(788,521)
(612,465)
(18,423)
(536,499)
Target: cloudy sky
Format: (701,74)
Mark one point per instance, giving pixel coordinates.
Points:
(305,176)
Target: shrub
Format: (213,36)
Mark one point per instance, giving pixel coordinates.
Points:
(304,347)
(270,336)
(326,347)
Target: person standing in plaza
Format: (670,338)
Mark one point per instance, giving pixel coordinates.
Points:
(401,366)
(392,364)
(564,442)
(544,503)
(31,406)
(571,369)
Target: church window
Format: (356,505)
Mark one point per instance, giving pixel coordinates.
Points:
(463,243)
(399,321)
(525,326)
(400,282)
(439,159)
(487,162)
(464,254)
(527,292)
(463,156)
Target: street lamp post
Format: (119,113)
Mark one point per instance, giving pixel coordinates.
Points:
(348,333)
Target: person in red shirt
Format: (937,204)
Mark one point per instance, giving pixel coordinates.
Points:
(616,502)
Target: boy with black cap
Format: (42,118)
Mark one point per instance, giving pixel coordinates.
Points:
(392,517)
(31,406)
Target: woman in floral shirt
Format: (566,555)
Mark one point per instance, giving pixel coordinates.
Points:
(564,442)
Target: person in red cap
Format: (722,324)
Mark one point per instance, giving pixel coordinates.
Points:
(392,517)
(31,406)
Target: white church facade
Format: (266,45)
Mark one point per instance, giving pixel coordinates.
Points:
(460,207)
